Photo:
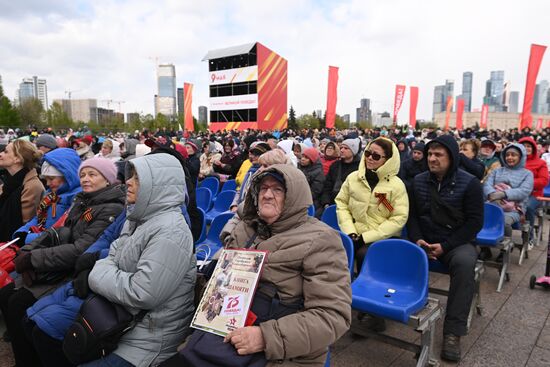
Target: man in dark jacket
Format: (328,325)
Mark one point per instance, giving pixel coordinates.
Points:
(350,156)
(447,234)
(413,166)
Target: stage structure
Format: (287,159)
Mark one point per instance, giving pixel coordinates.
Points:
(247,88)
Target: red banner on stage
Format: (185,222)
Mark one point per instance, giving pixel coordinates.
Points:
(398,100)
(187,106)
(484,115)
(332,96)
(535,58)
(414,104)
(459,112)
(448,112)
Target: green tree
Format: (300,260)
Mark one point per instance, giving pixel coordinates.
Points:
(364,125)
(292,124)
(339,123)
(9,116)
(57,118)
(308,122)
(31,112)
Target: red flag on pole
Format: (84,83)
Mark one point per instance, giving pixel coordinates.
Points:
(332,96)
(448,112)
(187,106)
(484,115)
(535,58)
(539,124)
(398,100)
(414,104)
(459,112)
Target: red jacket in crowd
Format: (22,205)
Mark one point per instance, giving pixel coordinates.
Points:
(537,166)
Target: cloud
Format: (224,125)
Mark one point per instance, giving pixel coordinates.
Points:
(106,49)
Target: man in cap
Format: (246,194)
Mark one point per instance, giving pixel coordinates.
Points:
(413,166)
(446,231)
(350,156)
(46,143)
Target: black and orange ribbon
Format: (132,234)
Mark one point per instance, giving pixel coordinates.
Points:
(381,196)
(87,215)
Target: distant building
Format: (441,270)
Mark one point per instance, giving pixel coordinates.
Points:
(495,120)
(364,113)
(381,119)
(319,114)
(132,117)
(83,110)
(33,88)
(467,80)
(165,99)
(441,93)
(203,114)
(540,98)
(346,118)
(105,116)
(494,91)
(180,101)
(513,103)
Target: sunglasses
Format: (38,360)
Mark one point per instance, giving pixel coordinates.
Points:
(375,156)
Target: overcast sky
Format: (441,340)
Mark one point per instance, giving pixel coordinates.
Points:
(106,49)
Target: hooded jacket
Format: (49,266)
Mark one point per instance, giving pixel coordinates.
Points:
(518,178)
(315,179)
(306,260)
(129,149)
(66,161)
(151,265)
(458,189)
(361,209)
(337,174)
(537,166)
(101,207)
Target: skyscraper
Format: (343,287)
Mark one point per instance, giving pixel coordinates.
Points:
(467,79)
(441,93)
(540,99)
(513,104)
(203,113)
(364,112)
(33,88)
(494,91)
(165,100)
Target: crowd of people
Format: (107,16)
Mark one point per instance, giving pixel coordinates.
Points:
(115,215)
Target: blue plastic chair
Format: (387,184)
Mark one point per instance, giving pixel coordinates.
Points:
(222,204)
(393,282)
(213,184)
(329,217)
(204,198)
(547,191)
(492,232)
(212,241)
(311,210)
(203,226)
(229,185)
(348,246)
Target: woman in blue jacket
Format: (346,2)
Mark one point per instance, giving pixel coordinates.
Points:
(60,170)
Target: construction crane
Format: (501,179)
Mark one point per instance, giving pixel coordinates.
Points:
(69,93)
(154,58)
(108,101)
(119,105)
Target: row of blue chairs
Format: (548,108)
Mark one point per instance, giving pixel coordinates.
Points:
(213,183)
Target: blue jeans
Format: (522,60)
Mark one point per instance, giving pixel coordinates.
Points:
(112,360)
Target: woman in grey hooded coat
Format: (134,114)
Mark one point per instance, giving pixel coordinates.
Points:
(151,266)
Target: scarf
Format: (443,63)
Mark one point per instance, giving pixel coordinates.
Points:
(12,183)
(42,212)
(372,178)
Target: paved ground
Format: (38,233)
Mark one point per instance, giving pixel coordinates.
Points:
(513,331)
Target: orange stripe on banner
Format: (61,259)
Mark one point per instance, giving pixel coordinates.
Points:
(268,76)
(268,116)
(266,64)
(281,123)
(275,89)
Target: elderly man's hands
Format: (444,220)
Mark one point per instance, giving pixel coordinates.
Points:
(246,340)
(433,250)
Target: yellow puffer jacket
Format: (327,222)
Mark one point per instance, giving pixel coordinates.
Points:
(245,166)
(361,211)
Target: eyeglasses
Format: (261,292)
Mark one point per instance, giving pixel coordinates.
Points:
(375,156)
(276,190)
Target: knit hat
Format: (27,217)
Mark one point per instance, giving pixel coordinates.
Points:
(49,171)
(419,147)
(161,141)
(88,139)
(46,140)
(104,166)
(192,145)
(488,143)
(259,148)
(312,154)
(352,144)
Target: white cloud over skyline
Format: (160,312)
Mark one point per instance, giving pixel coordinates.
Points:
(105,49)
